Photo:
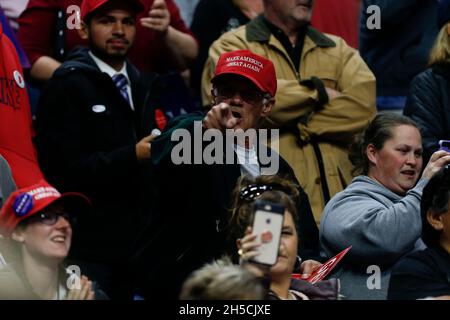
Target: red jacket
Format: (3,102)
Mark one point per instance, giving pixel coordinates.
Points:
(37,34)
(338,17)
(15,118)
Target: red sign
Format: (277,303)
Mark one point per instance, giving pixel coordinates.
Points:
(321,272)
(15,118)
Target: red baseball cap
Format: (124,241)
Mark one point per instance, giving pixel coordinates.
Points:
(26,202)
(259,70)
(89,6)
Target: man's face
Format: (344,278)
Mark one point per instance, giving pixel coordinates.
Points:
(247,101)
(111,32)
(298,11)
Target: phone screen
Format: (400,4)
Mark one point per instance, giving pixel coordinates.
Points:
(444,145)
(267,225)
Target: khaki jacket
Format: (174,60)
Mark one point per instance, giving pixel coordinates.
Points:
(314,132)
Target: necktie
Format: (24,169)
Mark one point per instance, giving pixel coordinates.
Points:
(121,83)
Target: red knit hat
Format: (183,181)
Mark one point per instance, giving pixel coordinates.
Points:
(252,66)
(89,6)
(26,202)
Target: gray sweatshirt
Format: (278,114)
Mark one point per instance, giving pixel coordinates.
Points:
(380,225)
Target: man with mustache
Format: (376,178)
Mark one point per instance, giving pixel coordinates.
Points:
(326,93)
(163,41)
(93,136)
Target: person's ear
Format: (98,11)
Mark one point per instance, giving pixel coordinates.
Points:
(267,106)
(83,32)
(435,220)
(371,152)
(18,235)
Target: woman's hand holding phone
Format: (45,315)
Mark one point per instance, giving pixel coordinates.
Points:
(248,250)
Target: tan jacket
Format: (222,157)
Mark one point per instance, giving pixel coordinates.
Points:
(307,120)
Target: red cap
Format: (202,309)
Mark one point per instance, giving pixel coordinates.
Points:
(24,203)
(89,6)
(247,64)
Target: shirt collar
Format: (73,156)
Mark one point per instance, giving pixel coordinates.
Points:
(278,33)
(257,30)
(106,68)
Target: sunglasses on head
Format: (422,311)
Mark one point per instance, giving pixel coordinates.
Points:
(50,218)
(252,191)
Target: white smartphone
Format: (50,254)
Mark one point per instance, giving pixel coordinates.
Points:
(267,225)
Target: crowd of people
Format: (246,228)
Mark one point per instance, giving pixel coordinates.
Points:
(135,150)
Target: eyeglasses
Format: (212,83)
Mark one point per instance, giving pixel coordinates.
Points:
(50,218)
(249,96)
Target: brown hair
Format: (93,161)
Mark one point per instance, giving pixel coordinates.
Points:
(10,250)
(222,280)
(284,192)
(379,130)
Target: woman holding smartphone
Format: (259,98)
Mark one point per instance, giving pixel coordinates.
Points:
(282,286)
(379,212)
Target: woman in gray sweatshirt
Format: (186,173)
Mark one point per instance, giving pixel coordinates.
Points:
(378,214)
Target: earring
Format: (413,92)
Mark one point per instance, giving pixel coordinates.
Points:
(298,264)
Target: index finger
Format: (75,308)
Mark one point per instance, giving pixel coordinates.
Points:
(444,160)
(84,293)
(159,4)
(439,154)
(227,119)
(150,137)
(225,110)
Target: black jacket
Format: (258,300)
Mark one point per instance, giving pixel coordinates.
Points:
(420,275)
(191,215)
(399,49)
(428,104)
(86,135)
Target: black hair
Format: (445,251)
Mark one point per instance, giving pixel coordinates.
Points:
(377,133)
(88,18)
(435,198)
